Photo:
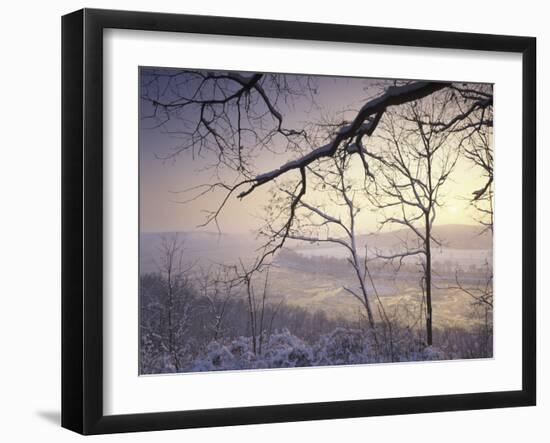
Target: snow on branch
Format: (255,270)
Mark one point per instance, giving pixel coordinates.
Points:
(361,125)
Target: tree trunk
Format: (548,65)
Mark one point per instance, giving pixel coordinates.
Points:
(428,280)
(171,343)
(252,314)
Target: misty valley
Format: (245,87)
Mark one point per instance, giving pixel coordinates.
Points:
(300,311)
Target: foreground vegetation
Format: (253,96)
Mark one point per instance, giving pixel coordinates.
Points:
(202,323)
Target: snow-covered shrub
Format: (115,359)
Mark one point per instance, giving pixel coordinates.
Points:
(241,350)
(342,347)
(432,353)
(237,354)
(218,357)
(284,350)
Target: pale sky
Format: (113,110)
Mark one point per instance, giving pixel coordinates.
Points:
(159,180)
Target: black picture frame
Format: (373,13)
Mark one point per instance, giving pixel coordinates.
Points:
(82,218)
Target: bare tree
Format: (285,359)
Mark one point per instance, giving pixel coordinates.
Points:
(217,287)
(335,220)
(176,288)
(478,148)
(315,223)
(257,304)
(414,164)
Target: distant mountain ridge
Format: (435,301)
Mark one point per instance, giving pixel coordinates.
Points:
(452,236)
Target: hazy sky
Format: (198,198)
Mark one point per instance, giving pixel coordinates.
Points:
(160,180)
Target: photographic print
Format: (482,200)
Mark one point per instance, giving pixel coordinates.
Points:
(292,220)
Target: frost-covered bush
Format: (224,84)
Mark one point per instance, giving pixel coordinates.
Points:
(342,347)
(284,350)
(241,350)
(281,350)
(432,353)
(234,355)
(217,357)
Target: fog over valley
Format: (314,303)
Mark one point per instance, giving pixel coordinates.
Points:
(313,276)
